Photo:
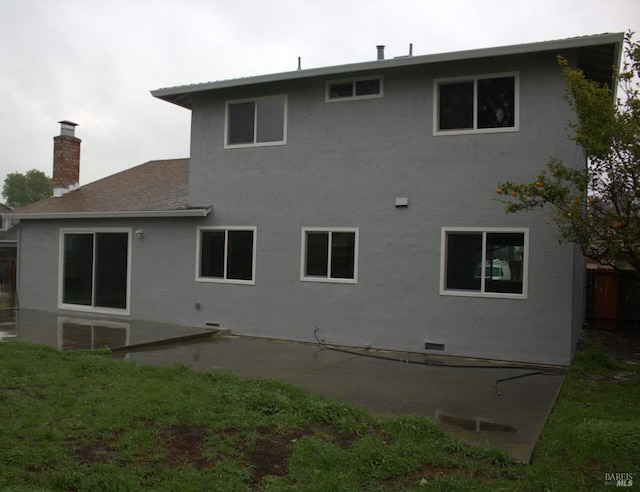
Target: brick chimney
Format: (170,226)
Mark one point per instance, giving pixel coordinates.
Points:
(66,159)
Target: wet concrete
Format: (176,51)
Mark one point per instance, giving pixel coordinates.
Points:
(464,398)
(77,332)
(7,324)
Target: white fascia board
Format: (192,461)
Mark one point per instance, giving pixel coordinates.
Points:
(138,214)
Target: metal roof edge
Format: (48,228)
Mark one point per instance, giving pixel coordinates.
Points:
(568,43)
(192,212)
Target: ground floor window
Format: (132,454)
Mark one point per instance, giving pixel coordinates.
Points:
(226,254)
(489,262)
(95,269)
(330,255)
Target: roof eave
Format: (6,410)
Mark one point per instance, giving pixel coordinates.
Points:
(138,214)
(181,95)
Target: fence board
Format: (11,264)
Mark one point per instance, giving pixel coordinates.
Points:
(613,300)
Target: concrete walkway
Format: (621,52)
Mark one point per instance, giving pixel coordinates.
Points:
(464,398)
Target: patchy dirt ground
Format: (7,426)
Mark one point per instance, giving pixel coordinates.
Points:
(621,345)
(269,454)
(184,445)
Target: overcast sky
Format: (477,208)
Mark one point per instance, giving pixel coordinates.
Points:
(95,62)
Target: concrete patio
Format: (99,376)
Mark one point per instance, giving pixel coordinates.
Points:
(466,395)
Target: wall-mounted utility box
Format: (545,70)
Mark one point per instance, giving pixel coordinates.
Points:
(402,202)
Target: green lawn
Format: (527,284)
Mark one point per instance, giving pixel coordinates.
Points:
(80,421)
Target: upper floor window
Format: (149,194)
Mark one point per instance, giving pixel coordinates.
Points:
(226,254)
(360,88)
(476,104)
(484,262)
(261,121)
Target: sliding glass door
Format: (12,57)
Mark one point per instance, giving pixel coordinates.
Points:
(95,269)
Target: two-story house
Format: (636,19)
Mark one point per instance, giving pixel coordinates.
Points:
(355,199)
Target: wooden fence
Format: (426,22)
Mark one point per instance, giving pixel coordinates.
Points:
(613,300)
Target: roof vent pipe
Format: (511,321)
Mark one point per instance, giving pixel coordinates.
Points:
(380,51)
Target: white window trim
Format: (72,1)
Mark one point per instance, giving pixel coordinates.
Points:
(92,309)
(481,293)
(474,79)
(353,81)
(328,279)
(225,280)
(255,123)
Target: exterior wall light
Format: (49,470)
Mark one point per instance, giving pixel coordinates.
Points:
(139,234)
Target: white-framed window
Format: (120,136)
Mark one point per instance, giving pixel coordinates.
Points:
(226,254)
(490,262)
(358,88)
(329,255)
(256,122)
(481,104)
(95,270)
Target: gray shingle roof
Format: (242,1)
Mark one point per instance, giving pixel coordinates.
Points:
(154,188)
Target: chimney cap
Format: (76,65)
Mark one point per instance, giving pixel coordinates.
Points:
(67,127)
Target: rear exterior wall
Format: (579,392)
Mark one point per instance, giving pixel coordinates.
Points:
(343,165)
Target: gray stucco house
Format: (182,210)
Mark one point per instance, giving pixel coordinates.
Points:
(358,199)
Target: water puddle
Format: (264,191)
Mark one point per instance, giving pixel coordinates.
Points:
(7,324)
(70,332)
(7,333)
(475,424)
